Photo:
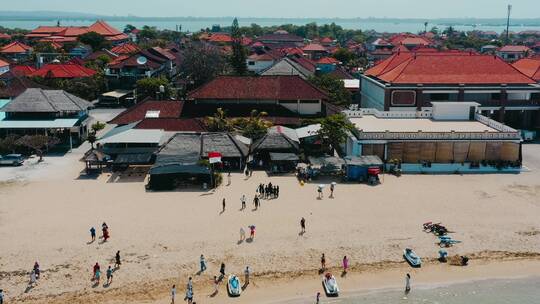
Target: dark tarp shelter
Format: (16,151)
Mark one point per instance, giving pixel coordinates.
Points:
(283,162)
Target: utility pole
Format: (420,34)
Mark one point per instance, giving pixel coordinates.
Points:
(508,24)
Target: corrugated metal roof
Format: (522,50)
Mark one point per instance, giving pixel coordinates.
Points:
(38,124)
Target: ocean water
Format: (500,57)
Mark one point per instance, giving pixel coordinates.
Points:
(500,291)
(197,24)
(508,291)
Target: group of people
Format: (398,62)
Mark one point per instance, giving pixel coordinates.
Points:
(104,230)
(96,277)
(268,191)
(251,233)
(345,264)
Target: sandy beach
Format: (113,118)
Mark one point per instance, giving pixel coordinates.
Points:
(47,211)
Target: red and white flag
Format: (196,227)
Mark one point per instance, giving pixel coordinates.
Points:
(214,157)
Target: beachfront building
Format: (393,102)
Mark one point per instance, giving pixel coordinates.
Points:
(64,34)
(452,137)
(183,160)
(47,112)
(277,95)
(63,71)
(277,150)
(410,81)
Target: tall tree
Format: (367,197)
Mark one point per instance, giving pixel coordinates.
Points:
(239,54)
(94,40)
(254,126)
(219,122)
(333,131)
(201,64)
(38,143)
(334,87)
(150,87)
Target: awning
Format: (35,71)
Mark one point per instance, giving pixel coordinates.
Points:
(179,169)
(133,159)
(366,160)
(117,93)
(284,157)
(61,123)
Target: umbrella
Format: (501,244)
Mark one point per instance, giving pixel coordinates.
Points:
(334,183)
(321,186)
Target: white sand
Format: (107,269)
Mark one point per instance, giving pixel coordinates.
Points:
(161,235)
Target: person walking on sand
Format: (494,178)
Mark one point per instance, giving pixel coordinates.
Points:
(223,205)
(203,263)
(1,296)
(93,233)
(36,270)
(95,270)
(407,283)
(242,234)
(345,264)
(222,270)
(216,284)
(109,275)
(252,232)
(323,262)
(277,191)
(98,276)
(189,285)
(229,179)
(117,262)
(247,272)
(173,293)
(105,234)
(189,296)
(243,200)
(303,225)
(332,190)
(318,298)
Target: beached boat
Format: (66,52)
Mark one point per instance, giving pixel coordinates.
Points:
(233,286)
(330,285)
(411,257)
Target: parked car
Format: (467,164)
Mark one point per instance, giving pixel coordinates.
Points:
(11,160)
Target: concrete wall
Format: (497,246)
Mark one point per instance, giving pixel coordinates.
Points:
(303,107)
(372,95)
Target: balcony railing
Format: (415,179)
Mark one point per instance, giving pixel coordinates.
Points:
(438,135)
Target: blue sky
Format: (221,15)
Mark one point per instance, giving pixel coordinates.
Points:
(288,8)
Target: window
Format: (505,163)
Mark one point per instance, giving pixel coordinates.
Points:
(495,96)
(309,101)
(403,98)
(439,97)
(251,62)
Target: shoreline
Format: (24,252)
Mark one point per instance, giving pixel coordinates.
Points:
(301,286)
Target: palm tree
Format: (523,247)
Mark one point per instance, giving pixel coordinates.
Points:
(219,122)
(255,126)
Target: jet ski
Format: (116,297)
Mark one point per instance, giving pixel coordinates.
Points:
(410,256)
(330,285)
(233,286)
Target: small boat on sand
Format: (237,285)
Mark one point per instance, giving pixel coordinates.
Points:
(410,256)
(330,285)
(233,286)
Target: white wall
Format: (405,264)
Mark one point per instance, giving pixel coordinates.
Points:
(452,110)
(258,65)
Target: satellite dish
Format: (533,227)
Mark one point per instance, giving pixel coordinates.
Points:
(142,60)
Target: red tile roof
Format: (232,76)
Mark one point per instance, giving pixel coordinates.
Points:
(153,61)
(328,60)
(172,124)
(529,67)
(314,47)
(258,88)
(409,39)
(166,108)
(125,48)
(22,70)
(327,40)
(3,63)
(5,36)
(70,32)
(262,57)
(220,38)
(15,47)
(63,70)
(514,49)
(446,68)
(16,85)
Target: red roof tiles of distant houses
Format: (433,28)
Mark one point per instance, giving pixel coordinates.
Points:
(408,39)
(22,70)
(66,70)
(103,28)
(327,40)
(95,55)
(5,36)
(163,53)
(261,57)
(328,60)
(172,124)
(15,47)
(257,44)
(3,63)
(258,88)
(529,67)
(220,38)
(292,51)
(514,49)
(446,68)
(314,47)
(153,61)
(17,85)
(166,108)
(100,27)
(125,48)
(284,37)
(305,63)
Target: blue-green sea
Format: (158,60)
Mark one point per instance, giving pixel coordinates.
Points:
(501,291)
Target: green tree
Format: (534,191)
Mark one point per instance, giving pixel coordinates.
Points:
(219,122)
(334,87)
(333,131)
(344,55)
(148,32)
(44,47)
(254,126)
(150,87)
(129,28)
(239,54)
(97,126)
(38,143)
(9,144)
(201,64)
(94,40)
